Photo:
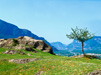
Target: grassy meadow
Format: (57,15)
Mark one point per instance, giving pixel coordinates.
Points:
(48,64)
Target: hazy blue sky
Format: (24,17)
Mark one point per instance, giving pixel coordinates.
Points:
(53,19)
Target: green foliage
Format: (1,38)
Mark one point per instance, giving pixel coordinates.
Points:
(81,35)
(15,42)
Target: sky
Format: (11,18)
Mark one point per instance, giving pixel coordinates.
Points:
(53,19)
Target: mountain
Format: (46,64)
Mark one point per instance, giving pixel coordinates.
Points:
(8,30)
(91,46)
(59,45)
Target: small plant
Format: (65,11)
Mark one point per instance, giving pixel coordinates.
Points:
(15,42)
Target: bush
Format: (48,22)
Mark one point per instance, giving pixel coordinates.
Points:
(15,42)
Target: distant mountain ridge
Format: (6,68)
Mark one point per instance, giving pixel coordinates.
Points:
(92,45)
(59,45)
(8,30)
(12,31)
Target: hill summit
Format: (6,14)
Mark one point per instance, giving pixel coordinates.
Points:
(25,43)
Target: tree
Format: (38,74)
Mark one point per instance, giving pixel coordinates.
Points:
(80,35)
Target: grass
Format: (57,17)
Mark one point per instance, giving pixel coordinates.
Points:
(50,64)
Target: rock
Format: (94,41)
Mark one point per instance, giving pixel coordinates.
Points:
(21,53)
(13,52)
(5,43)
(30,49)
(38,44)
(96,72)
(19,47)
(22,61)
(26,40)
(26,43)
(10,52)
(39,73)
(29,54)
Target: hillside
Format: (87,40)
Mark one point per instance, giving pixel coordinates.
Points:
(46,64)
(59,45)
(8,30)
(28,56)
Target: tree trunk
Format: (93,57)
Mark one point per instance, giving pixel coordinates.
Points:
(82,48)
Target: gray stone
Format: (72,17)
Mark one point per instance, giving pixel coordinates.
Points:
(21,53)
(19,47)
(13,52)
(96,72)
(39,73)
(29,54)
(22,61)
(10,52)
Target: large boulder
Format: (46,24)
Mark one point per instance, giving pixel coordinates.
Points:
(24,43)
(6,43)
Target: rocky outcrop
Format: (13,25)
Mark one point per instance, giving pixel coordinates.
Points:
(6,43)
(27,43)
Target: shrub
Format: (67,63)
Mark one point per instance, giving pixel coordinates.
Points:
(15,42)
